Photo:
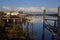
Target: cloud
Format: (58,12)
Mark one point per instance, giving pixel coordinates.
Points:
(29,9)
(42,8)
(7,8)
(52,10)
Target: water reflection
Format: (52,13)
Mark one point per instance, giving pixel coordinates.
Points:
(38,27)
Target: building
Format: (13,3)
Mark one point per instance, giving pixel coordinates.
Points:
(12,13)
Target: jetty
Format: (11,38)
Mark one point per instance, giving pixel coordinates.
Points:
(23,18)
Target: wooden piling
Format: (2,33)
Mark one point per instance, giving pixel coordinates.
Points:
(27,31)
(58,28)
(44,14)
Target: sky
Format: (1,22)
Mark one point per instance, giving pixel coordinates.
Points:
(30,5)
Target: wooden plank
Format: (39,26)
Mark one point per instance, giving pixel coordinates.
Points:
(52,19)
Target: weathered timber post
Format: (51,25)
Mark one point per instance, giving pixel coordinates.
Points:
(58,28)
(44,14)
(14,20)
(7,20)
(27,30)
(54,23)
(32,32)
(53,34)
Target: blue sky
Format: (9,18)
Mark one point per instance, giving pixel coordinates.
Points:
(30,3)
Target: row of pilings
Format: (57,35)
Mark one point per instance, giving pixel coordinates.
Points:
(6,25)
(55,35)
(12,30)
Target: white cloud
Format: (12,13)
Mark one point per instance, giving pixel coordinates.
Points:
(42,8)
(52,9)
(7,8)
(30,9)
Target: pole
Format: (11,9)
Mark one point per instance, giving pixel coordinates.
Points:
(32,32)
(58,28)
(27,31)
(44,14)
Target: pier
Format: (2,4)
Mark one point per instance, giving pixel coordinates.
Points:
(55,30)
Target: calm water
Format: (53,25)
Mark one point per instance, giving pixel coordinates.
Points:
(38,27)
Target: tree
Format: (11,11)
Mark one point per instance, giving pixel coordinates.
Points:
(2,14)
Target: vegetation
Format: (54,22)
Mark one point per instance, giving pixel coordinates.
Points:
(13,31)
(2,14)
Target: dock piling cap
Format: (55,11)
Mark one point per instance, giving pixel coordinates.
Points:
(58,11)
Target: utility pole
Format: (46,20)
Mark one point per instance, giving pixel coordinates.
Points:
(58,28)
(44,14)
